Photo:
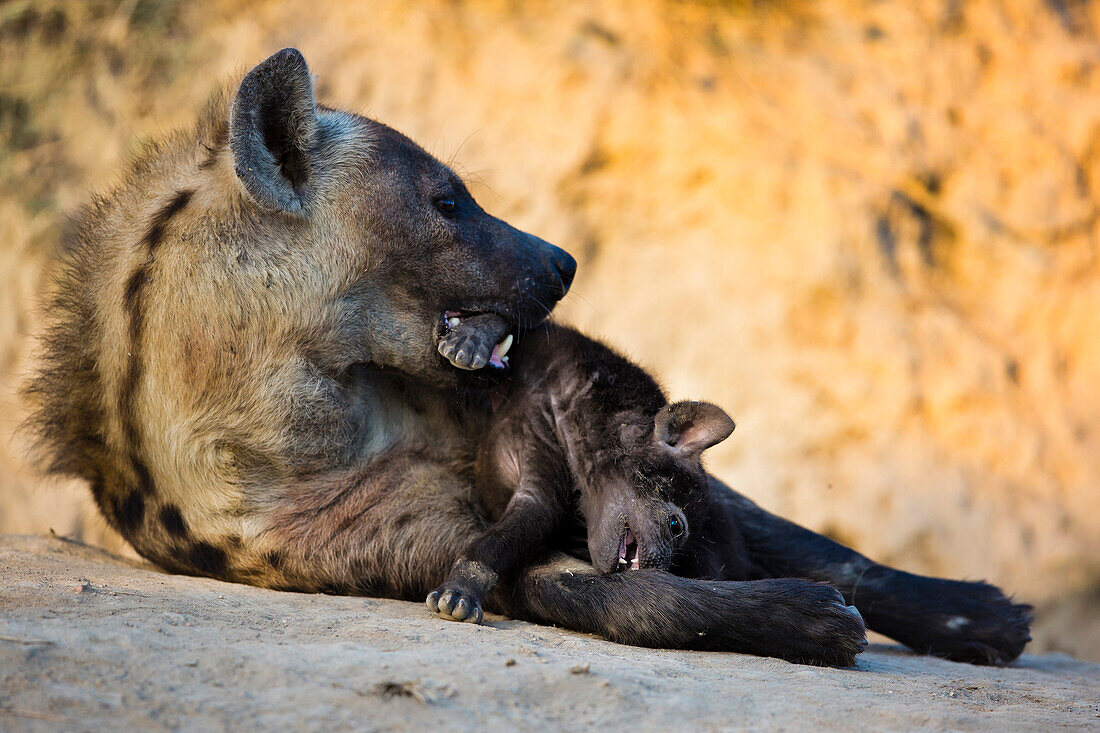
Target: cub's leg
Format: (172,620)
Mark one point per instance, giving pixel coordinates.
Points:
(787,618)
(533,514)
(528,522)
(964,621)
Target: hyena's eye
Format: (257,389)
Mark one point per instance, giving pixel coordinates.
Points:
(676,526)
(446,206)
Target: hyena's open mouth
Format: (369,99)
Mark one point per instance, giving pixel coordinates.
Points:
(628,552)
(471,340)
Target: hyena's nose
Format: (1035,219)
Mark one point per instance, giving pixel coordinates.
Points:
(566,268)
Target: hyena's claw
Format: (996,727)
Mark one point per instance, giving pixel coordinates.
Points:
(453,605)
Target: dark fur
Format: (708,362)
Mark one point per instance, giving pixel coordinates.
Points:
(582,433)
(242,362)
(581,430)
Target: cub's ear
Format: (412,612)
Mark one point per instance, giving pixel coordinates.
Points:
(272,129)
(692,427)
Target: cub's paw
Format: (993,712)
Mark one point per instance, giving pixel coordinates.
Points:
(789,618)
(966,622)
(451,601)
(472,342)
(465,351)
(823,630)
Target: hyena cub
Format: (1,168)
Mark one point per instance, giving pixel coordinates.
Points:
(578,430)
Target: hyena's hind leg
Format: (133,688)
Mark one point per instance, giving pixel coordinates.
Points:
(392,529)
(965,621)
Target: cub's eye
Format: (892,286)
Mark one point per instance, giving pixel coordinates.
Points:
(446,207)
(676,526)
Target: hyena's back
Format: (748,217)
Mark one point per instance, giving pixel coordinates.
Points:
(107,398)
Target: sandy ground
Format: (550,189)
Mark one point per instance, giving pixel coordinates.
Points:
(89,641)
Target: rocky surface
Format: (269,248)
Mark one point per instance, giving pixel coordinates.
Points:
(89,641)
(869,231)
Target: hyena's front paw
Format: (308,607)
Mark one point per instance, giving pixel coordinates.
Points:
(455,602)
(459,598)
(471,342)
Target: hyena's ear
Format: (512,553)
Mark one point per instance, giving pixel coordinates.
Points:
(272,131)
(691,427)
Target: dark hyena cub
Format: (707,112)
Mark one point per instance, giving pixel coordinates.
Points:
(581,430)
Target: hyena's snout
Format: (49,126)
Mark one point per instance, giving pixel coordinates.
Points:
(548,273)
(531,276)
(565,267)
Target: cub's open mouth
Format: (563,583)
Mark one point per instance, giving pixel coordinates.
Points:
(628,552)
(473,341)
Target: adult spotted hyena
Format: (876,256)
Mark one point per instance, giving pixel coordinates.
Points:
(243,365)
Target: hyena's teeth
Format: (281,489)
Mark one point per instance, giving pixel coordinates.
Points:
(499,358)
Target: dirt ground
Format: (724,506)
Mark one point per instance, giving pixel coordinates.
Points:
(90,641)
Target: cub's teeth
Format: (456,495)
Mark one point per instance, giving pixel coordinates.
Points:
(453,321)
(503,346)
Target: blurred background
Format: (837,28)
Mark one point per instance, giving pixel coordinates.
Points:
(869,230)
